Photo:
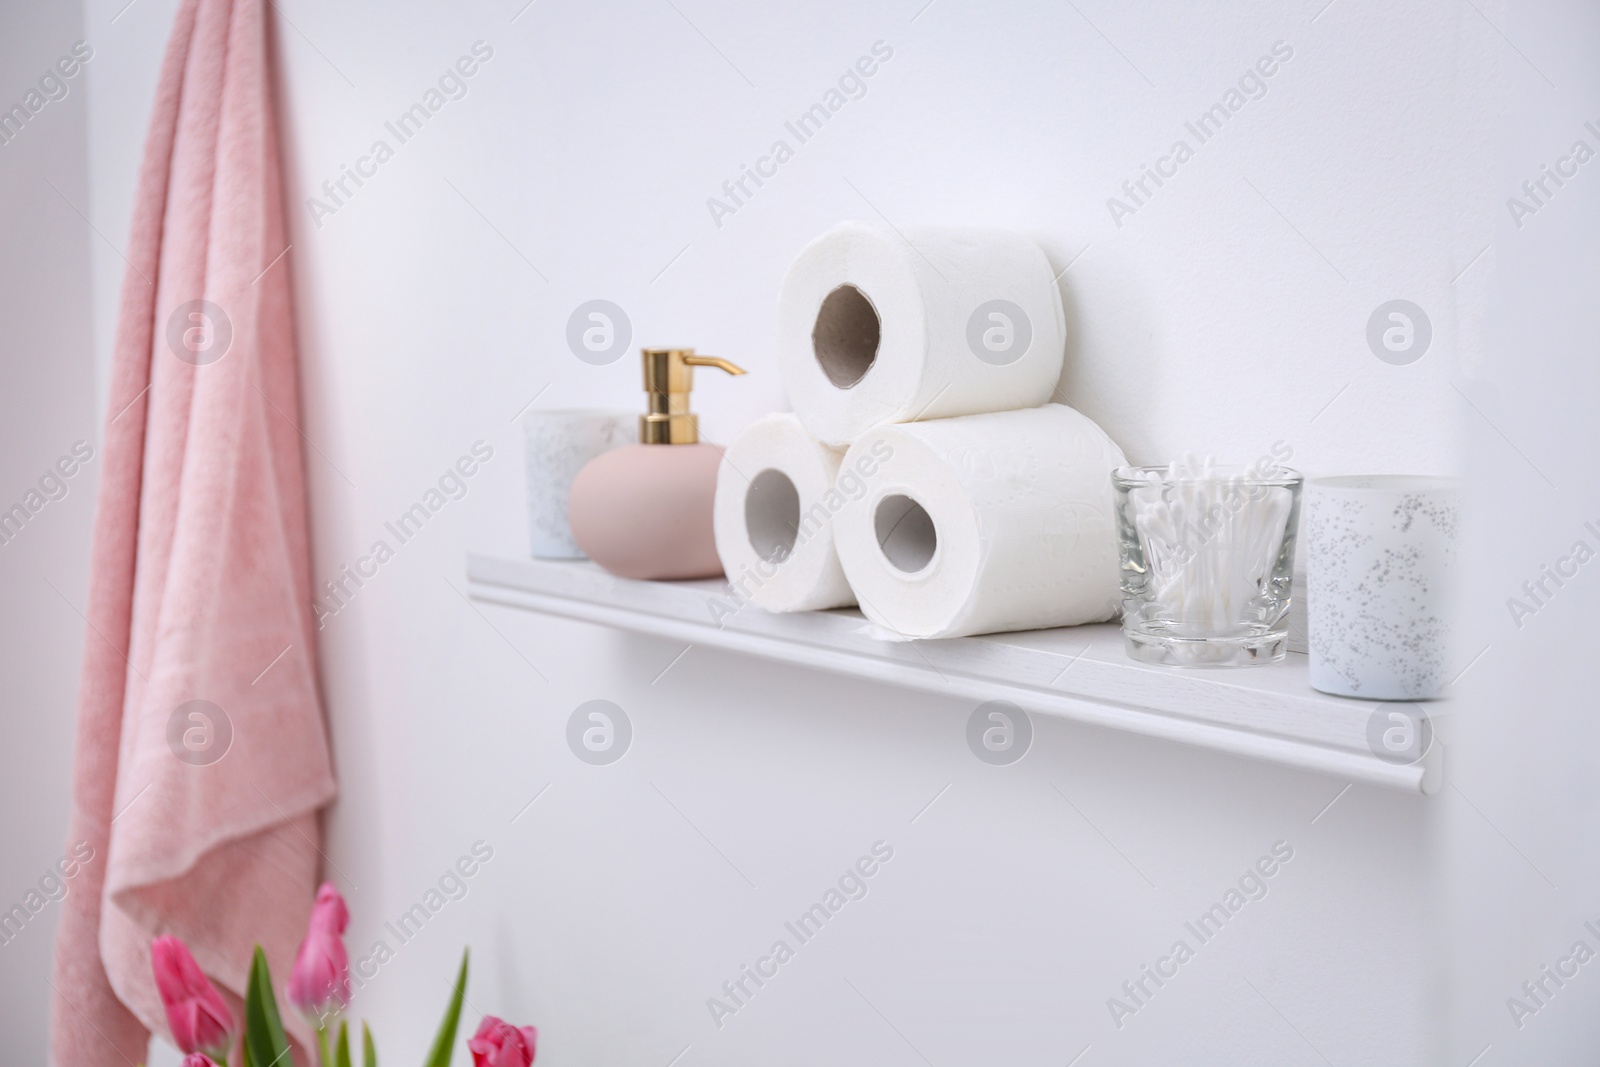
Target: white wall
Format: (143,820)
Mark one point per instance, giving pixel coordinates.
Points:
(1226,314)
(46,406)
(1520,816)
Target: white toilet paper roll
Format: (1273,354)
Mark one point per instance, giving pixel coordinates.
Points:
(983,523)
(875,327)
(774,518)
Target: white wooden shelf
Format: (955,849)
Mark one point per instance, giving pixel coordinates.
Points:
(1079,673)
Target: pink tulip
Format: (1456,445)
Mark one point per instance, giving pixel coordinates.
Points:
(196,1013)
(499,1044)
(197,1059)
(320,981)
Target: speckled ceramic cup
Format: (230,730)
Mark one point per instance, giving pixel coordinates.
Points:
(1380,550)
(559,443)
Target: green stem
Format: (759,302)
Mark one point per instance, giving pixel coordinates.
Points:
(322,1045)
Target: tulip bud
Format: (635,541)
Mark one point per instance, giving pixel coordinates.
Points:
(196,1013)
(319,985)
(499,1044)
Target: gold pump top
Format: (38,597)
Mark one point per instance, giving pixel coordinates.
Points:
(668,378)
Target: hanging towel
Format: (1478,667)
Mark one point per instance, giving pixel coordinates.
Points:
(202,759)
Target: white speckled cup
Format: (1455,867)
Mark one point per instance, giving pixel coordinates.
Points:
(559,443)
(1380,550)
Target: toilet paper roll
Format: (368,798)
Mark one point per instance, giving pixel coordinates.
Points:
(774,518)
(876,328)
(983,523)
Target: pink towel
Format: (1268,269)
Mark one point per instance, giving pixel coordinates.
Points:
(203,817)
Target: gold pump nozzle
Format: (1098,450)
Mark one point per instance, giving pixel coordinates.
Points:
(668,378)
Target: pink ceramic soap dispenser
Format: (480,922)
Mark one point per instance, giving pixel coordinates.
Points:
(644,511)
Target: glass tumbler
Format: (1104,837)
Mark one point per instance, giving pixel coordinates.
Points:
(1207,558)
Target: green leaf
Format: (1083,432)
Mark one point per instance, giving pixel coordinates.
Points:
(369,1055)
(265,1044)
(341,1051)
(443,1045)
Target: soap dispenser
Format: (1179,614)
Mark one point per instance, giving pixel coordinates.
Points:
(644,511)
